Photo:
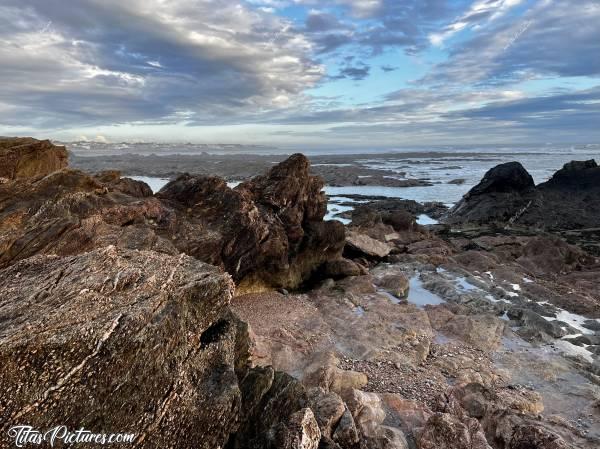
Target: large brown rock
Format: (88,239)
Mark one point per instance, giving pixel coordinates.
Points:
(120,341)
(25,157)
(268,231)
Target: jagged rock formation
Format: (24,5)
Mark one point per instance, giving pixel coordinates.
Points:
(27,158)
(507,195)
(267,232)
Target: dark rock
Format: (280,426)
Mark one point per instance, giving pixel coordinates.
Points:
(537,327)
(586,340)
(25,157)
(502,193)
(400,220)
(506,195)
(592,325)
(504,178)
(271,419)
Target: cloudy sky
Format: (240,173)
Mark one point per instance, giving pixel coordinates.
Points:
(359,73)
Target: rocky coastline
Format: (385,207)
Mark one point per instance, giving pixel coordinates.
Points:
(207,316)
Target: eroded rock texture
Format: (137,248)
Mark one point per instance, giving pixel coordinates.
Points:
(120,341)
(266,231)
(24,157)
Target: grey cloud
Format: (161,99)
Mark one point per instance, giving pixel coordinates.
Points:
(356,73)
(551,39)
(88,62)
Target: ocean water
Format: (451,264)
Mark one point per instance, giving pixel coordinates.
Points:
(441,166)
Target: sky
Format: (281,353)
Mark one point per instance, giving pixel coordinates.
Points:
(297,73)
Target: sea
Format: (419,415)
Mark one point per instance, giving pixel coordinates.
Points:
(440,165)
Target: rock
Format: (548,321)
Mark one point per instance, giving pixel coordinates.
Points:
(481,331)
(30,158)
(531,436)
(592,325)
(457,181)
(504,178)
(445,431)
(585,340)
(128,186)
(410,414)
(388,438)
(366,409)
(300,432)
(396,284)
(364,245)
(268,231)
(328,409)
(400,220)
(277,414)
(346,433)
(134,341)
(341,268)
(326,375)
(501,194)
(69,212)
(543,255)
(536,327)
(506,195)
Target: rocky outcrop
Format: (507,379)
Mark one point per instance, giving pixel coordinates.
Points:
(29,158)
(120,341)
(502,193)
(69,212)
(267,232)
(507,196)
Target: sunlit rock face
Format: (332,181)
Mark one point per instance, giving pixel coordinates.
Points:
(29,158)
